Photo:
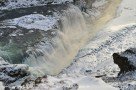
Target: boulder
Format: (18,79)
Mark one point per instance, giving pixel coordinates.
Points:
(125,60)
(7,88)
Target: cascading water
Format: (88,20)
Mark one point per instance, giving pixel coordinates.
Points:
(56,48)
(57,52)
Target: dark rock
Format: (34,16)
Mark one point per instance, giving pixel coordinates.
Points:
(99,76)
(45,76)
(9,81)
(12,72)
(50,2)
(130,51)
(18,73)
(16,88)
(75,86)
(3,2)
(7,88)
(38,80)
(124,63)
(26,81)
(88,71)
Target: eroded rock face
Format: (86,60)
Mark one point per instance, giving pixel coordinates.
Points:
(125,60)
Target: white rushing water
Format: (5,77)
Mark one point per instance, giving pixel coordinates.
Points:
(58,47)
(59,52)
(95,58)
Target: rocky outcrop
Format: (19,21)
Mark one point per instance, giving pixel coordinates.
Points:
(9,73)
(125,60)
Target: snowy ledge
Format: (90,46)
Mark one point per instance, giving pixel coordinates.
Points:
(33,21)
(13,4)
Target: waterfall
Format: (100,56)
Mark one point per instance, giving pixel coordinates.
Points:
(57,51)
(48,52)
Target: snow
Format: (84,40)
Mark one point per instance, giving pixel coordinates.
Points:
(76,74)
(126,15)
(1,86)
(82,83)
(13,4)
(118,35)
(99,3)
(34,21)
(89,83)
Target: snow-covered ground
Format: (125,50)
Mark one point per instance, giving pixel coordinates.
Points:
(96,57)
(78,83)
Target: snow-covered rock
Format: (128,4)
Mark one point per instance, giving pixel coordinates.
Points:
(9,73)
(34,21)
(13,4)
